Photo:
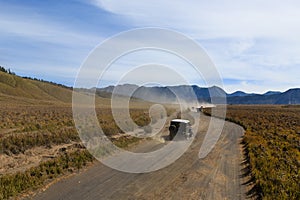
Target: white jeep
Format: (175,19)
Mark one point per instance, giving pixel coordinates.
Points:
(180,127)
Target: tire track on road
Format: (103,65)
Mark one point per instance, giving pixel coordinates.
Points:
(214,177)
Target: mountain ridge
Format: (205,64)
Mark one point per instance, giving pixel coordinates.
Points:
(204,94)
(13,86)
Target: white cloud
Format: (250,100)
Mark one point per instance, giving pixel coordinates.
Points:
(252,41)
(248,40)
(213,18)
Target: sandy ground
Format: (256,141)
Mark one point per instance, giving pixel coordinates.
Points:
(217,176)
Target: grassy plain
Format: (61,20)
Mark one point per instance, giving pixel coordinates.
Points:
(38,138)
(271,148)
(39,142)
(27,130)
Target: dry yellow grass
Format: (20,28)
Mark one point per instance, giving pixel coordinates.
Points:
(36,119)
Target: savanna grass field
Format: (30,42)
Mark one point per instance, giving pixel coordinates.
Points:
(38,138)
(39,142)
(271,147)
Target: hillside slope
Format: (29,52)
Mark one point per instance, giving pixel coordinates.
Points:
(15,87)
(23,91)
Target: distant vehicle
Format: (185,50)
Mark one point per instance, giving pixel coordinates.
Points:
(182,127)
(200,109)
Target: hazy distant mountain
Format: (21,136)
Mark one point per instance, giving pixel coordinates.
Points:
(238,94)
(13,87)
(168,93)
(185,92)
(272,92)
(291,96)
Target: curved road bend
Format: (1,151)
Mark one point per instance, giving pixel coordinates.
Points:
(214,177)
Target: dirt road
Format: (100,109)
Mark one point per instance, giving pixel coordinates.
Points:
(214,177)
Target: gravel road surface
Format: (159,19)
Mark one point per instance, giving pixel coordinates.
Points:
(217,176)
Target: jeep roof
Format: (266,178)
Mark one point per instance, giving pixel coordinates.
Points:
(181,121)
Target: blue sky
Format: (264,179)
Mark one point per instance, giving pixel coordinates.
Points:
(255,45)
